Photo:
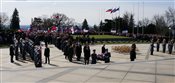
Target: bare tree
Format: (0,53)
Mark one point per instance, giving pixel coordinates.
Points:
(170,16)
(160,23)
(126,17)
(61,20)
(46,22)
(3,19)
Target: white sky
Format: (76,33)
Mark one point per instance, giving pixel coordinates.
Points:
(93,10)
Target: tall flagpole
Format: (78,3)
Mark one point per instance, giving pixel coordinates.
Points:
(119,22)
(133,25)
(143,20)
(138,20)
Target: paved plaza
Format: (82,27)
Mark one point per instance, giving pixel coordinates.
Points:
(159,68)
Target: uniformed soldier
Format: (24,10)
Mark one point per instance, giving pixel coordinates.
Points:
(70,52)
(65,50)
(158,44)
(78,51)
(170,46)
(21,46)
(164,45)
(152,47)
(16,50)
(11,53)
(86,54)
(94,57)
(37,56)
(23,50)
(58,44)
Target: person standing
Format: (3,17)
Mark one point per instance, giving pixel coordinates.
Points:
(158,44)
(11,53)
(174,45)
(103,49)
(107,56)
(70,52)
(78,51)
(94,57)
(164,45)
(133,52)
(24,46)
(47,54)
(16,50)
(65,50)
(152,47)
(170,46)
(20,45)
(86,50)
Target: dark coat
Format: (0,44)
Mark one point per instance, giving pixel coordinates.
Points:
(78,49)
(103,49)
(107,57)
(170,47)
(152,47)
(70,51)
(47,52)
(86,52)
(132,54)
(12,50)
(94,58)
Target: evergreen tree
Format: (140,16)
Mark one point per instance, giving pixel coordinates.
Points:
(15,20)
(96,28)
(85,25)
(101,26)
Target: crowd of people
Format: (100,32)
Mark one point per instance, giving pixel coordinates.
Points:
(73,48)
(166,45)
(24,48)
(29,44)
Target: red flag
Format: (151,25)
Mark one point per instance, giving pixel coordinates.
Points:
(19,30)
(109,10)
(54,28)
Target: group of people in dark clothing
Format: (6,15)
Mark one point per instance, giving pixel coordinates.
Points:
(165,45)
(25,48)
(18,48)
(71,47)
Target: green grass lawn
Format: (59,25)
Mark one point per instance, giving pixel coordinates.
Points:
(101,36)
(4,46)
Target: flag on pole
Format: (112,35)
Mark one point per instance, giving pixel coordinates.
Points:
(109,10)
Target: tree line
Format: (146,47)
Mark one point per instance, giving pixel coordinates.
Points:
(159,24)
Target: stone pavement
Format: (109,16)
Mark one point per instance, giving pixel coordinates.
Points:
(159,68)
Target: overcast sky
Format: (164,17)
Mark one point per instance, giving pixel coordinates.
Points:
(92,10)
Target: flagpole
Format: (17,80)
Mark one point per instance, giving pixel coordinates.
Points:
(119,21)
(133,25)
(143,19)
(138,20)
